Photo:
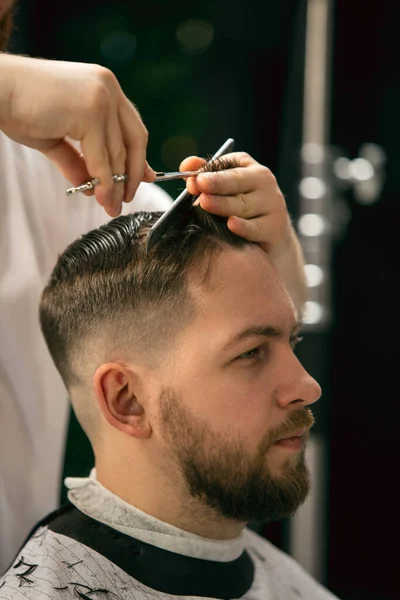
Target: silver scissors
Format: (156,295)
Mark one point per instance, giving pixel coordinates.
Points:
(161,176)
(122,177)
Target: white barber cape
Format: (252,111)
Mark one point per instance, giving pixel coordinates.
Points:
(37,222)
(101,547)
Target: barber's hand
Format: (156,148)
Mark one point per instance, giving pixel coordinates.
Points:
(248,195)
(50,101)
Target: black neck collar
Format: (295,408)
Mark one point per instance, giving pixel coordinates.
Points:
(154,567)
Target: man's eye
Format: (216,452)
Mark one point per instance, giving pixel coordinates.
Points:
(254,353)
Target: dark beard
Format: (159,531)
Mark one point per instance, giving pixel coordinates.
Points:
(248,495)
(221,474)
(6,27)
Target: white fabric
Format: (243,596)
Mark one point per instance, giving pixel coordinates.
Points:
(94,500)
(37,221)
(276,576)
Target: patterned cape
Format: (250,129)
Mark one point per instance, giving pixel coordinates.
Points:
(69,555)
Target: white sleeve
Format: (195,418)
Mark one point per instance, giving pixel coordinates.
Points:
(37,213)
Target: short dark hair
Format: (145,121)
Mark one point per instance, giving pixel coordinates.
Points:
(106,285)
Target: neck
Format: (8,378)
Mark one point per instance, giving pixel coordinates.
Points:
(167,500)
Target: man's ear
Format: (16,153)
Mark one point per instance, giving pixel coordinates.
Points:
(117,388)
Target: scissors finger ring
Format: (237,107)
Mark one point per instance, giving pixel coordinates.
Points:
(89,185)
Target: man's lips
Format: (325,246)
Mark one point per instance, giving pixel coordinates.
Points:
(294,434)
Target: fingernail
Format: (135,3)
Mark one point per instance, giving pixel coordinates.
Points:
(131,196)
(148,170)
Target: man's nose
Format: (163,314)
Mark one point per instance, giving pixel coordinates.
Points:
(300,387)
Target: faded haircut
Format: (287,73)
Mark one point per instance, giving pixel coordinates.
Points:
(107,295)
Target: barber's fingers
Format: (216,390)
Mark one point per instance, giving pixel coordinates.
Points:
(239,180)
(253,230)
(192,163)
(69,161)
(244,192)
(267,230)
(95,152)
(240,159)
(232,181)
(135,136)
(117,155)
(246,206)
(148,173)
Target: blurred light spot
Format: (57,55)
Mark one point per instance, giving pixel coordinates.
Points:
(312,188)
(313,313)
(175,149)
(312,153)
(341,168)
(118,46)
(373,153)
(361,169)
(314,275)
(194,36)
(311,224)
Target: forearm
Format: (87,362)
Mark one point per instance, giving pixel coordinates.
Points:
(8,64)
(289,262)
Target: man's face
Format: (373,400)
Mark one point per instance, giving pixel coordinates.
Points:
(6,21)
(228,396)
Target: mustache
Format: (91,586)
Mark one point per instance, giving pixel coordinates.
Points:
(299,419)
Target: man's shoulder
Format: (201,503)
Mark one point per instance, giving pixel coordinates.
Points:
(37,570)
(283,570)
(52,565)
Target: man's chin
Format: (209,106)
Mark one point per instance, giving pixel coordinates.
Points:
(285,487)
(281,463)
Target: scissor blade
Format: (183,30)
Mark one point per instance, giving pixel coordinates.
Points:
(161,176)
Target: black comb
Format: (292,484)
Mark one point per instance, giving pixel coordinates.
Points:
(178,213)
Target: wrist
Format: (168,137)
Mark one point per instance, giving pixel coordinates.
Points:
(286,246)
(288,258)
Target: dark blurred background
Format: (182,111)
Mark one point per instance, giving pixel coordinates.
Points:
(204,72)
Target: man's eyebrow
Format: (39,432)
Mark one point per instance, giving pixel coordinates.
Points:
(262,331)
